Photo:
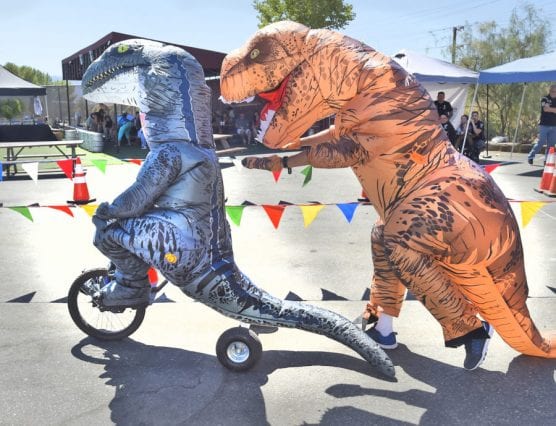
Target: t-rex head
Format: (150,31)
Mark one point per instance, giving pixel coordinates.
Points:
(165,82)
(280,63)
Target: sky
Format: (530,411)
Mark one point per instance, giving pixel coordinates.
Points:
(40,33)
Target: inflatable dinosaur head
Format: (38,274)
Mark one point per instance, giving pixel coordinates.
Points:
(279,63)
(165,82)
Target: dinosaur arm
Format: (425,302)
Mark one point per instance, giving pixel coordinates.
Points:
(324,150)
(157,173)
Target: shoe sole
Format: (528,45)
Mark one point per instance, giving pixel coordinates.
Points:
(383,346)
(490,332)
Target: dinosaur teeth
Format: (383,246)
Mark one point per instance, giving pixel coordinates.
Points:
(227,102)
(265,123)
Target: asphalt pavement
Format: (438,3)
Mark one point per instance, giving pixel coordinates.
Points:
(168,373)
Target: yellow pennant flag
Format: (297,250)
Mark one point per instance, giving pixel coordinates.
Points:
(529,209)
(90,209)
(310,212)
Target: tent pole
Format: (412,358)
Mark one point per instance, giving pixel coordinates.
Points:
(68,99)
(469,119)
(518,118)
(487,154)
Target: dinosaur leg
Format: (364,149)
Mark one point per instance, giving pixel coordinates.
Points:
(387,291)
(429,282)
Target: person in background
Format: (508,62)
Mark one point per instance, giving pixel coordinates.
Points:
(443,106)
(243,128)
(91,122)
(547,125)
(449,129)
(256,125)
(108,124)
(476,139)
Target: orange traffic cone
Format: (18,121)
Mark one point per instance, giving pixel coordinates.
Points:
(80,190)
(547,172)
(551,191)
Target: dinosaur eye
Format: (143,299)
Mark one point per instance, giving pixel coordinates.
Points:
(254,53)
(123,48)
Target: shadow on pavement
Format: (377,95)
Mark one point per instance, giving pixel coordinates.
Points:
(172,385)
(523,395)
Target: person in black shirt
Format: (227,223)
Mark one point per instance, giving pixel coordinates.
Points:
(449,129)
(475,142)
(443,106)
(547,125)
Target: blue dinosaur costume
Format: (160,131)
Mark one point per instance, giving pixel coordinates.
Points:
(173,216)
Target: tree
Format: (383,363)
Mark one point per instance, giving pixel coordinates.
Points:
(29,74)
(332,14)
(527,34)
(10,108)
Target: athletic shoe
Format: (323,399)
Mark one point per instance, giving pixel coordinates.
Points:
(530,161)
(385,342)
(114,294)
(476,349)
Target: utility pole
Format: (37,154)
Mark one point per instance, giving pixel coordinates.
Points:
(454,36)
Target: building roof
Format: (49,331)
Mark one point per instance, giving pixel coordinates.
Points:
(74,66)
(12,85)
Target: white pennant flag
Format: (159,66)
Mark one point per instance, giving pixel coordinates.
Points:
(237,163)
(32,170)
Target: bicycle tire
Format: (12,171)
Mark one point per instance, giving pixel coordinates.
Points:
(84,325)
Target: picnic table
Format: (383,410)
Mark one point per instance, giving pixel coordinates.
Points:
(14,148)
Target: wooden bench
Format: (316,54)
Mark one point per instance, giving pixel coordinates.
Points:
(14,148)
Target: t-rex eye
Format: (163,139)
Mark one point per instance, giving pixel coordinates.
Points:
(254,53)
(123,48)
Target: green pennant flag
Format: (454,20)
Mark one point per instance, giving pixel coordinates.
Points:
(235,213)
(308,172)
(24,211)
(100,164)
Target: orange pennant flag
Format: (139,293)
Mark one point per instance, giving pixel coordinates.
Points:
(90,209)
(135,161)
(310,212)
(64,209)
(274,213)
(277,175)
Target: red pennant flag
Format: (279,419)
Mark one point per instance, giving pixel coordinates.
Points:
(489,168)
(277,175)
(274,213)
(67,167)
(64,209)
(135,161)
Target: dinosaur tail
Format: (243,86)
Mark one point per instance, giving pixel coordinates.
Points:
(515,327)
(225,289)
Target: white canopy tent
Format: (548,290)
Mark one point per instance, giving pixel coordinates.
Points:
(526,70)
(438,75)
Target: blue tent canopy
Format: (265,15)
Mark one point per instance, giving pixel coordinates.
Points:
(527,70)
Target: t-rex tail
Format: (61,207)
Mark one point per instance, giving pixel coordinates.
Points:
(226,289)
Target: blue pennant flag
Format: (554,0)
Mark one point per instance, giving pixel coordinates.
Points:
(348,209)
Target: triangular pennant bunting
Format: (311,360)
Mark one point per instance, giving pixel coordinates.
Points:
(348,209)
(308,172)
(90,209)
(64,209)
(135,161)
(32,169)
(26,298)
(100,164)
(310,213)
(24,211)
(528,210)
(274,213)
(1,171)
(67,167)
(235,213)
(489,168)
(277,175)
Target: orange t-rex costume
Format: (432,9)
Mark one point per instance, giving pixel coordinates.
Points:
(446,231)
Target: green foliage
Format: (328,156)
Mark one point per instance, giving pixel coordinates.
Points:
(332,14)
(10,108)
(487,45)
(29,74)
